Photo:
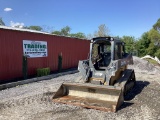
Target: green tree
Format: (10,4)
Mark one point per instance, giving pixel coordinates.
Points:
(148,42)
(103,31)
(1,22)
(142,44)
(156,26)
(130,43)
(65,31)
(152,49)
(38,28)
(56,32)
(78,35)
(156,33)
(154,36)
(157,53)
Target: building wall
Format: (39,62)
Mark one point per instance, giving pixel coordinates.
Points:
(11,52)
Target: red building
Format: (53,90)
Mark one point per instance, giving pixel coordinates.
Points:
(11,51)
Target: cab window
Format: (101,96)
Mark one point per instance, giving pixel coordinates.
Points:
(118,51)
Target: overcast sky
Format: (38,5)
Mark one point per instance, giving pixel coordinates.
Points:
(122,17)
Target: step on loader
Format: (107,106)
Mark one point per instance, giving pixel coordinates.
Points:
(104,79)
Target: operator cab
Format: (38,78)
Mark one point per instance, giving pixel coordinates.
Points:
(105,49)
(101,54)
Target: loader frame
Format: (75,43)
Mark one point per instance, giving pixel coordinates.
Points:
(107,74)
(104,79)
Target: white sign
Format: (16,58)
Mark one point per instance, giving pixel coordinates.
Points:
(35,48)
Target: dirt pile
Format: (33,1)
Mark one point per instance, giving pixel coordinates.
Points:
(144,66)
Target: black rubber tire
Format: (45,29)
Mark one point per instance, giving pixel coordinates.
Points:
(131,79)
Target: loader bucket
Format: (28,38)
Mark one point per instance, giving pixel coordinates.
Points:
(100,97)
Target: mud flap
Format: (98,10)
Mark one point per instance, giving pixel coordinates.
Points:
(105,98)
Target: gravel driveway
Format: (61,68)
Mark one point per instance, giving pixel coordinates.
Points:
(33,101)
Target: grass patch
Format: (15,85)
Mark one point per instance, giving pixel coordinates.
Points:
(43,72)
(151,61)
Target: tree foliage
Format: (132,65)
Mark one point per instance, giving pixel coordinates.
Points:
(34,27)
(56,32)
(154,36)
(147,44)
(38,28)
(157,53)
(130,43)
(78,35)
(1,22)
(151,50)
(156,26)
(66,32)
(149,41)
(102,31)
(142,44)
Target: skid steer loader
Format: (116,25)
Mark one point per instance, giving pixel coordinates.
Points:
(104,78)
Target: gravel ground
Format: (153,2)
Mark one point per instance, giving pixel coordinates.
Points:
(33,101)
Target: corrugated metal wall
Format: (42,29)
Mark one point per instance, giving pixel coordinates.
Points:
(11,51)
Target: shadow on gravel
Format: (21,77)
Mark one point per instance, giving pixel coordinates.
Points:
(49,93)
(125,104)
(140,84)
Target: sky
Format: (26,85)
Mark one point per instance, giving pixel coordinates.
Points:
(122,17)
